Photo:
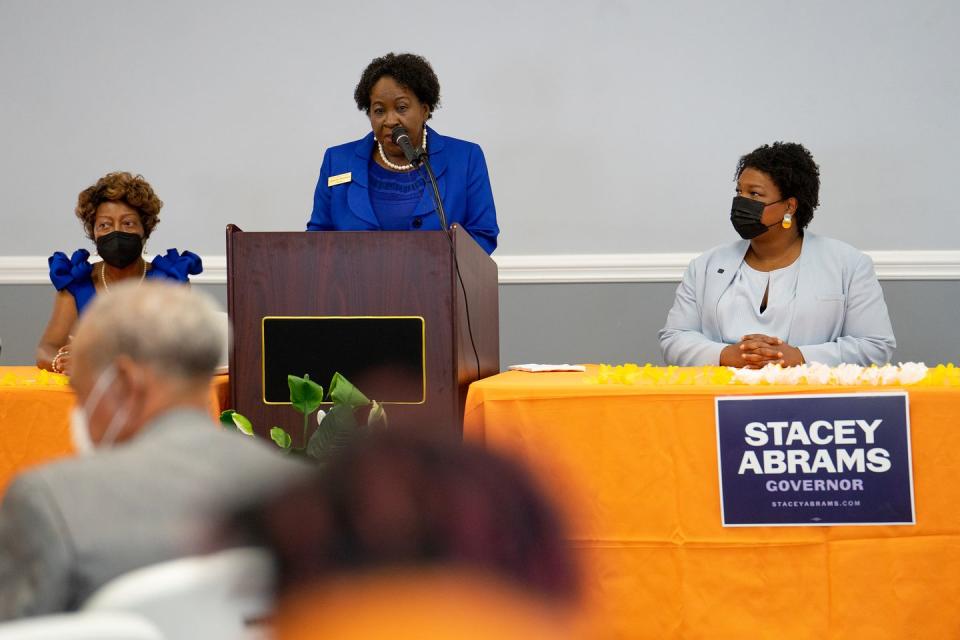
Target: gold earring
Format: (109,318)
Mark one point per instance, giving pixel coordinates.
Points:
(787,221)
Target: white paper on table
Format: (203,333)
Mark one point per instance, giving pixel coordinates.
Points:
(541,368)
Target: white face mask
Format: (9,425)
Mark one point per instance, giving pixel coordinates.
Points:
(80,417)
(80,432)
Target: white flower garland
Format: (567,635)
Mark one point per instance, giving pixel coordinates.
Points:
(816,373)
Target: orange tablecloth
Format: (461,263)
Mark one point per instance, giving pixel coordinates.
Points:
(635,469)
(34,418)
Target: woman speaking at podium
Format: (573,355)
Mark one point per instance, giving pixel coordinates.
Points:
(369,184)
(782,294)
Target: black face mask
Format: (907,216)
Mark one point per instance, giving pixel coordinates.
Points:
(745,215)
(120,249)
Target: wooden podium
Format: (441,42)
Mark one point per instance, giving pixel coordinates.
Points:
(385,308)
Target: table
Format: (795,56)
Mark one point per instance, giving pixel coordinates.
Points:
(634,469)
(35,418)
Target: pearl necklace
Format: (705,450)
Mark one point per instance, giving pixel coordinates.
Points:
(401,167)
(103,277)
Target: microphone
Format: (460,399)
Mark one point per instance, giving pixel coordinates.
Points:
(418,158)
(401,138)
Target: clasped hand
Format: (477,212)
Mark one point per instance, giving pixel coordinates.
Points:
(756,350)
(61,362)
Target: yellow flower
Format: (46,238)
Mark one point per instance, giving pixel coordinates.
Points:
(36,378)
(648,374)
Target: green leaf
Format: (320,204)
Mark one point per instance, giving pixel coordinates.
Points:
(343,392)
(241,423)
(338,428)
(281,437)
(305,394)
(377,417)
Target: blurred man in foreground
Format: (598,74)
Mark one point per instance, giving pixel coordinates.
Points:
(154,472)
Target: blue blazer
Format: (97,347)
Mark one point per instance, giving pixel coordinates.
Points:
(461,177)
(839,314)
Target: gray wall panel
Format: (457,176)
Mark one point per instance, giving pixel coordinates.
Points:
(25,309)
(619,322)
(576,322)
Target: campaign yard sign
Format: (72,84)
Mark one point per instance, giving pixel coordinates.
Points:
(815,460)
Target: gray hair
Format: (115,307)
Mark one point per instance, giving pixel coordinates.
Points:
(178,332)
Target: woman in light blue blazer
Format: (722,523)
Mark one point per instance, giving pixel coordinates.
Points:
(782,294)
(369,184)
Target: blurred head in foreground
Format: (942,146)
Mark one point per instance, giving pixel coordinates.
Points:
(436,532)
(138,352)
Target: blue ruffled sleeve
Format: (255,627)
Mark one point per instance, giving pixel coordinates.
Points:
(73,275)
(176,266)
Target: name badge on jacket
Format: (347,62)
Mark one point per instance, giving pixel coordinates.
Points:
(333,181)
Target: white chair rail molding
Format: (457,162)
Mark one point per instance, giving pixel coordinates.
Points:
(568,268)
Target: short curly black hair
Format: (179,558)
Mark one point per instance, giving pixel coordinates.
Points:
(408,69)
(792,168)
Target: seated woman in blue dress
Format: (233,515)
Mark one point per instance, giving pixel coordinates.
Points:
(118,214)
(369,184)
(782,294)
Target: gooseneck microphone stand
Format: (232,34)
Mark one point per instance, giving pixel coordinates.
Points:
(425,163)
(419,158)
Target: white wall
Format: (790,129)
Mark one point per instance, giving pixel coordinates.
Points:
(609,127)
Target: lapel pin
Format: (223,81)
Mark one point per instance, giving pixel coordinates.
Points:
(719,270)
